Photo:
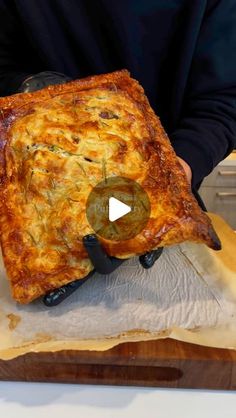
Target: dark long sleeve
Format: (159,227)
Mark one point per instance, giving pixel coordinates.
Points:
(206,131)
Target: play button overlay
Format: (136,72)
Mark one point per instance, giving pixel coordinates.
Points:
(118,208)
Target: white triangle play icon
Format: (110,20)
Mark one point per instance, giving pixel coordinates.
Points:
(117,209)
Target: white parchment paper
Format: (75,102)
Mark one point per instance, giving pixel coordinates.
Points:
(177,293)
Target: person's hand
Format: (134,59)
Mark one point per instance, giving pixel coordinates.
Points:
(102,263)
(187,169)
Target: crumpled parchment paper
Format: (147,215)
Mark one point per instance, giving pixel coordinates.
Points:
(190,295)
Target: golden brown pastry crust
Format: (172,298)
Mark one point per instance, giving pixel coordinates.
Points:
(55,144)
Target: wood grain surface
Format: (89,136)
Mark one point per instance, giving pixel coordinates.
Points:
(162,363)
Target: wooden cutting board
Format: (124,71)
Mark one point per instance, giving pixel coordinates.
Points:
(162,363)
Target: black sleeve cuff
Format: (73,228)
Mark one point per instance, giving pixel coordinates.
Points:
(195,156)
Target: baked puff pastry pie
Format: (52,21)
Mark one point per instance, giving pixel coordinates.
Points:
(55,144)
